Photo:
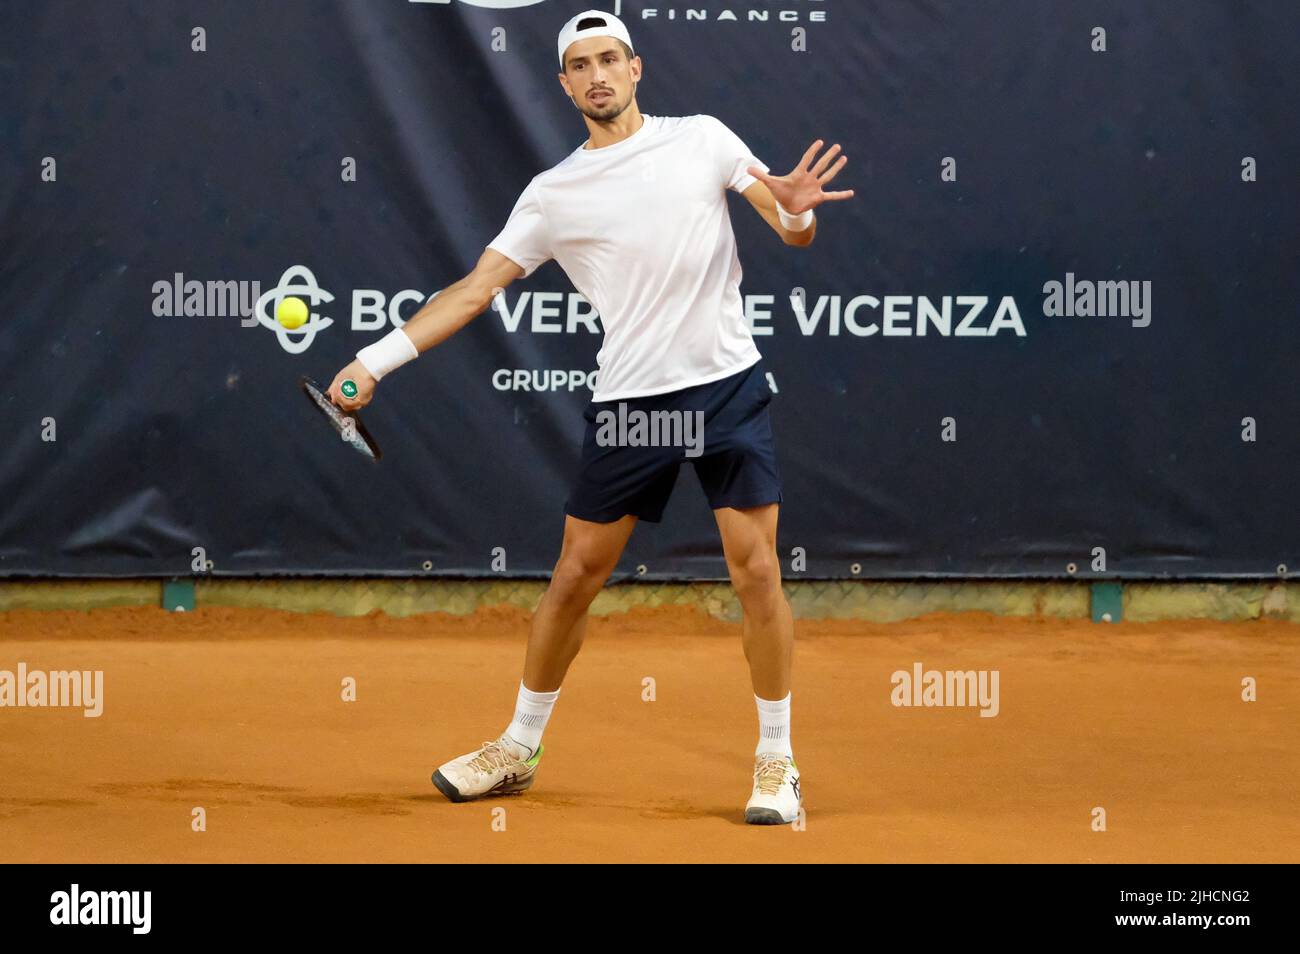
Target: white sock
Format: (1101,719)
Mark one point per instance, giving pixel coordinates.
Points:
(532,709)
(774,726)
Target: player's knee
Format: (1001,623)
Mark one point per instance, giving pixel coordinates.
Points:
(577,575)
(757,578)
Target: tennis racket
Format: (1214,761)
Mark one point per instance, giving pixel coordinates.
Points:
(346,424)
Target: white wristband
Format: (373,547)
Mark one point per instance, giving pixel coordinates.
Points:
(795,223)
(388,353)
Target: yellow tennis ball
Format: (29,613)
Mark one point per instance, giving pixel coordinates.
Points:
(291,312)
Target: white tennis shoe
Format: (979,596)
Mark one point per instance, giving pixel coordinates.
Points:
(776,799)
(500,767)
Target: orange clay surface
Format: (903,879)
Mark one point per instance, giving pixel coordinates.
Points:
(239,711)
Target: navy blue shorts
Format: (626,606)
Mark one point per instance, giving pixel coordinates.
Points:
(723,428)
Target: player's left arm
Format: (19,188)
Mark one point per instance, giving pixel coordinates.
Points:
(797,192)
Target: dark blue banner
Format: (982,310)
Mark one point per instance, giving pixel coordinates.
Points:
(1056,325)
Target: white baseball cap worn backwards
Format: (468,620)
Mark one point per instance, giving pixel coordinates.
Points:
(607,25)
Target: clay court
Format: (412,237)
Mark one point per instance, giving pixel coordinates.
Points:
(239,711)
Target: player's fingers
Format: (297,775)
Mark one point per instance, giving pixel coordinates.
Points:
(832,196)
(825,160)
(833,171)
(810,154)
(346,403)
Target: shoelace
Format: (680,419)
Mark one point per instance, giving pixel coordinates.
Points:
(493,756)
(769,773)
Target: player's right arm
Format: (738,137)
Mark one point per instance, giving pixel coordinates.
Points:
(437,320)
(464,301)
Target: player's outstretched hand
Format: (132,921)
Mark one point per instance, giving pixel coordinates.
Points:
(801,190)
(365,387)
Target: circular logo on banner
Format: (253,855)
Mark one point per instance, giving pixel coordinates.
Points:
(297,281)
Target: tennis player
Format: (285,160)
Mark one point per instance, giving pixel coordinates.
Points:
(637,217)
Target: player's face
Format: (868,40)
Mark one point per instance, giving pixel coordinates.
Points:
(600,78)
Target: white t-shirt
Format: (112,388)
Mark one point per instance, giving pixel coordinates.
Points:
(642,230)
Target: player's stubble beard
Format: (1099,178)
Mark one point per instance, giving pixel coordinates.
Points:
(606,113)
